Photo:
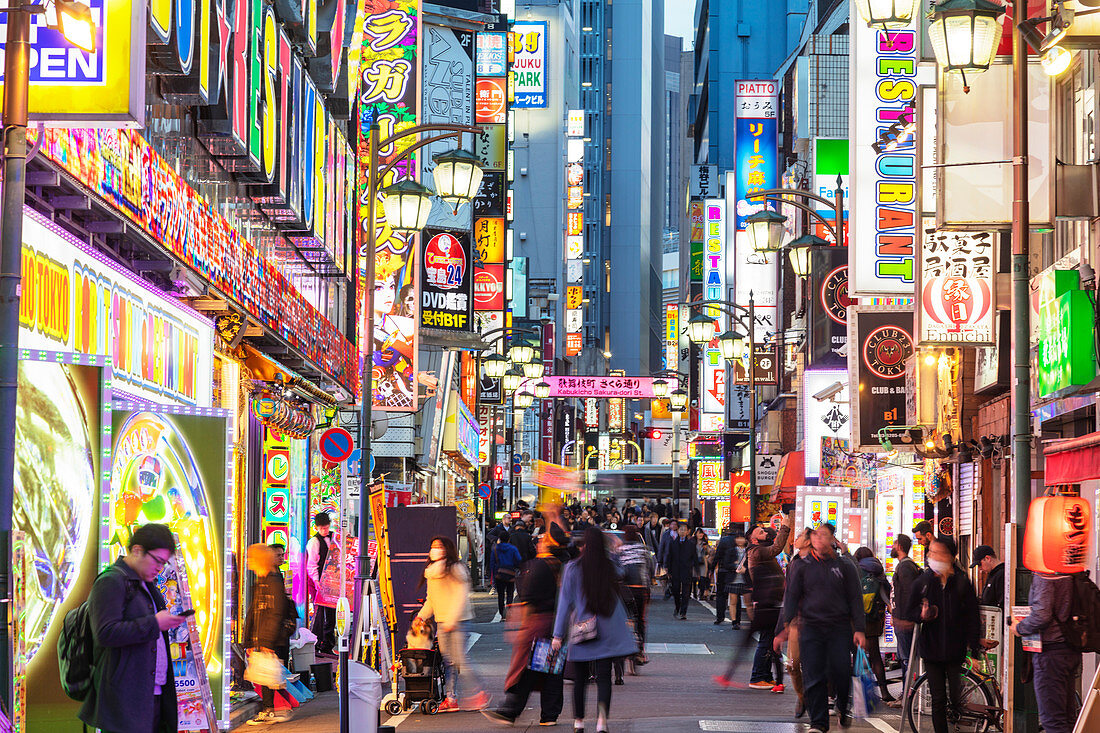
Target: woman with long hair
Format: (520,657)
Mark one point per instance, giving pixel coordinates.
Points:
(704,558)
(448,602)
(591,615)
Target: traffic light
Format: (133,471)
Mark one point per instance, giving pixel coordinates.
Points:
(652,433)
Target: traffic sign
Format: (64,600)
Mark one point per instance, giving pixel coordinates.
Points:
(484,491)
(336,445)
(517,468)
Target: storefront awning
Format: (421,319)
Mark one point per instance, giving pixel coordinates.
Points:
(1073,460)
(791,474)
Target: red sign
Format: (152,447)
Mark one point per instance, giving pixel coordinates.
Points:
(489,101)
(489,288)
(336,445)
(573,343)
(445,262)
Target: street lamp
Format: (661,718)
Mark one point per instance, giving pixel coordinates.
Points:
(542,390)
(522,400)
(522,352)
(534,369)
(457,176)
(407,205)
(701,328)
(800,250)
(660,388)
(887,14)
(765,230)
(732,345)
(511,379)
(678,400)
(495,366)
(965,34)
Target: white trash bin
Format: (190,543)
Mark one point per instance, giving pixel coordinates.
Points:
(365,697)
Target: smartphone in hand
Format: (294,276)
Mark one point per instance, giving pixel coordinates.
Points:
(186,613)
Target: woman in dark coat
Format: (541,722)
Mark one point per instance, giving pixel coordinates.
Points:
(270,617)
(872,578)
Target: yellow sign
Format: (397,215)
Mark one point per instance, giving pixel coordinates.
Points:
(489,240)
(574,294)
(71,87)
(467,508)
(381,537)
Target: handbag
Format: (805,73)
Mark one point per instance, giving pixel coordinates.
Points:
(545,659)
(865,697)
(265,669)
(582,630)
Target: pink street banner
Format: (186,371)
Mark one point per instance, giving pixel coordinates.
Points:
(597,387)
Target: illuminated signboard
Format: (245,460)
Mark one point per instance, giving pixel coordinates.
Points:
(824,417)
(956,288)
(489,240)
(672,336)
(461,432)
(492,54)
(489,288)
(710,483)
(171,212)
(529,61)
(385,58)
(883,224)
(71,87)
(446,290)
(756,135)
(575,123)
(75,300)
(714,279)
(599,387)
(490,101)
(1065,356)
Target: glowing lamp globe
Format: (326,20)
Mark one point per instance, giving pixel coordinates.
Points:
(1058,534)
(660,388)
(701,328)
(887,14)
(407,205)
(457,176)
(495,366)
(765,230)
(965,34)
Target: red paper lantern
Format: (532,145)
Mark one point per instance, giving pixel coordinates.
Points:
(1059,530)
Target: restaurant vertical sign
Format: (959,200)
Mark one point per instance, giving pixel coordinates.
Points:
(386,48)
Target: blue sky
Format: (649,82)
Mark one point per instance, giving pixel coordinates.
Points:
(680,20)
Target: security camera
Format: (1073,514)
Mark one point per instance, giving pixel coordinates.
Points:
(830,392)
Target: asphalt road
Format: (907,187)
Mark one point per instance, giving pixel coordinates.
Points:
(674,692)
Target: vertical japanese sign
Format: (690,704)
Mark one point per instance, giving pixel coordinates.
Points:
(956,288)
(529,59)
(880,341)
(275,523)
(829,307)
(698,222)
(447,97)
(546,407)
(672,336)
(388,95)
(883,226)
(713,385)
(574,238)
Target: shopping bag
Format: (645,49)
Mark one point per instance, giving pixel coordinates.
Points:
(265,669)
(545,659)
(865,698)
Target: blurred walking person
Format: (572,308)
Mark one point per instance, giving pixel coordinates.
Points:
(448,602)
(537,583)
(324,616)
(681,556)
(592,617)
(638,567)
(704,559)
(876,596)
(905,572)
(271,616)
(504,562)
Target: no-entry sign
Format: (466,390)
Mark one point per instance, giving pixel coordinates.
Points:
(336,445)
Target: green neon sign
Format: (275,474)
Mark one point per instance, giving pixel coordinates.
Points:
(1066,356)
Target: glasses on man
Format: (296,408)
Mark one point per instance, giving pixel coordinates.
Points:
(160,561)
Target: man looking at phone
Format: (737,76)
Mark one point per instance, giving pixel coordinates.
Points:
(133,690)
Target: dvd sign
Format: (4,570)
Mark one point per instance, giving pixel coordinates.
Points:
(489,288)
(446,297)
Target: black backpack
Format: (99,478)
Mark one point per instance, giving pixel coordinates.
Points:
(1082,628)
(76,648)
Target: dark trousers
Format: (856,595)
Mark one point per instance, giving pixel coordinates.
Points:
(601,669)
(324,628)
(506,591)
(551,698)
(944,683)
(681,591)
(764,621)
(721,598)
(1055,686)
(637,599)
(826,653)
(905,644)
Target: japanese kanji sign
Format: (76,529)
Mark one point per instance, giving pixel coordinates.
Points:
(956,292)
(599,387)
(756,141)
(529,57)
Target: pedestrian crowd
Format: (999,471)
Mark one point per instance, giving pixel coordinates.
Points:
(574,587)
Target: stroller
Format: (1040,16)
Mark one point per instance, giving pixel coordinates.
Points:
(422,671)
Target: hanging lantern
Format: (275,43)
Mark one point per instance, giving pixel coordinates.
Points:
(542,390)
(887,14)
(1058,534)
(495,366)
(522,400)
(965,34)
(407,205)
(534,370)
(511,379)
(678,400)
(457,176)
(800,250)
(765,230)
(701,328)
(660,388)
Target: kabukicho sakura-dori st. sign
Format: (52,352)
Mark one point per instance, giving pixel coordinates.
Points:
(598,387)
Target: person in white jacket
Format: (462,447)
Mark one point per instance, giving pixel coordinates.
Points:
(448,602)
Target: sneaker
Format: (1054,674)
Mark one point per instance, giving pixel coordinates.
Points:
(735,626)
(761,685)
(722,681)
(778,689)
(845,720)
(480,701)
(281,716)
(263,718)
(498,717)
(683,617)
(448,706)
(548,722)
(718,622)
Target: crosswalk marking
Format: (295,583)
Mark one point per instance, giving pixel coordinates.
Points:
(657,648)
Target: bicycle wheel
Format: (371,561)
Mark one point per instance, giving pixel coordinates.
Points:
(974,716)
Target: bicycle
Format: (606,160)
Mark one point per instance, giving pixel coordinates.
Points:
(981,707)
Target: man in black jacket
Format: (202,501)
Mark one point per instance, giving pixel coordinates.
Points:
(993,593)
(133,688)
(724,555)
(680,558)
(942,599)
(824,591)
(521,538)
(905,572)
